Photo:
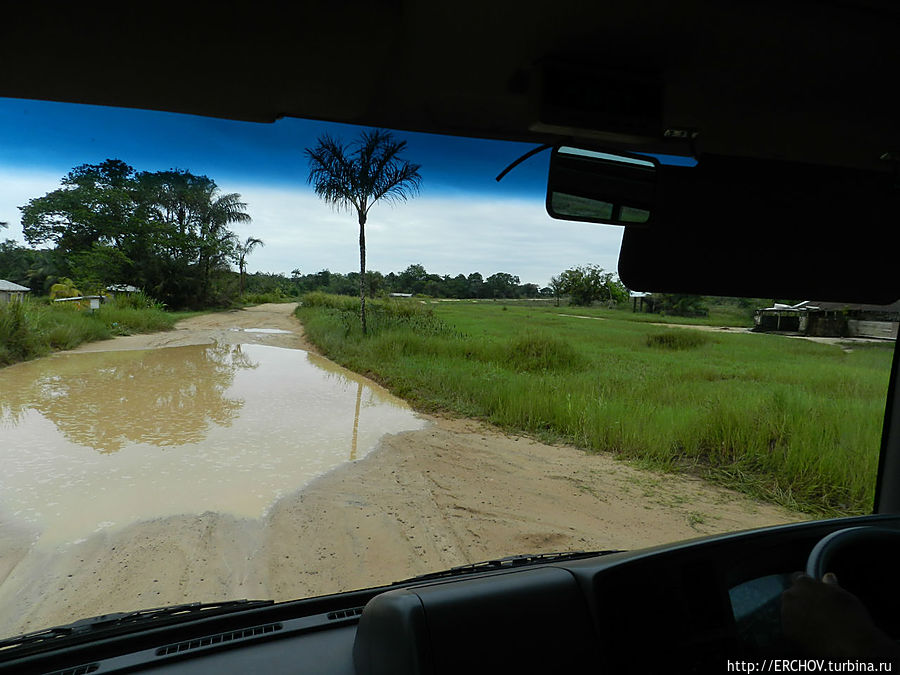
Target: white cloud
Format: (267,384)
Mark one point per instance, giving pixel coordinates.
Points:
(448,235)
(17,186)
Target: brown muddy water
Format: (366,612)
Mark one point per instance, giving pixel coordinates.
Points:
(96,440)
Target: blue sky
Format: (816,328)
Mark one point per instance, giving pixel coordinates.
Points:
(463,220)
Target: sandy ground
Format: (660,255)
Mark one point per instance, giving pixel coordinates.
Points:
(454,493)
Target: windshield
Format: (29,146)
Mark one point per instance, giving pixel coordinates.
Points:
(281,361)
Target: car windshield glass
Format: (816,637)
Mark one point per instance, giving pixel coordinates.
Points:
(232,367)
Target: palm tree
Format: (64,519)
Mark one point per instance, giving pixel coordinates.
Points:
(243,251)
(356,175)
(218,211)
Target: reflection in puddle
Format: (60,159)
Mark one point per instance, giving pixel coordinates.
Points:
(99,439)
(107,400)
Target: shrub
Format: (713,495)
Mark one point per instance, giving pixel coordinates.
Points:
(139,300)
(18,338)
(677,339)
(264,298)
(535,352)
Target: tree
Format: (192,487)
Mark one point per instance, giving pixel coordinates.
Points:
(217,243)
(187,236)
(413,278)
(556,285)
(680,304)
(65,288)
(99,266)
(357,175)
(588,283)
(502,285)
(243,251)
(95,205)
(165,231)
(476,285)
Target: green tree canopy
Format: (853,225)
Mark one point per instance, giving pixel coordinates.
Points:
(588,283)
(242,251)
(165,231)
(95,205)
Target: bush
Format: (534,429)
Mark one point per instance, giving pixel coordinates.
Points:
(531,353)
(677,339)
(18,337)
(680,304)
(139,300)
(267,297)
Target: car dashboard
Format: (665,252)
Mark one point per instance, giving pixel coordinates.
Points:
(691,606)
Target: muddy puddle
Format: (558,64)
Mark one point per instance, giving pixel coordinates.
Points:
(96,440)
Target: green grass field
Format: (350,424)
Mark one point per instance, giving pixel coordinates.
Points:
(788,420)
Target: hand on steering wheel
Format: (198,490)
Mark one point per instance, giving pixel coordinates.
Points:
(826,619)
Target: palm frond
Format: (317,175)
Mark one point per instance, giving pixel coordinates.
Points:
(360,173)
(332,174)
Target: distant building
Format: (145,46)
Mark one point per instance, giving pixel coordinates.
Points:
(831,319)
(10,292)
(116,289)
(643,298)
(401,295)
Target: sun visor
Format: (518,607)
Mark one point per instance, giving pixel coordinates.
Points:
(768,229)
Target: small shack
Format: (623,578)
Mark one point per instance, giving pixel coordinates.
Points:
(781,318)
(831,319)
(10,292)
(643,298)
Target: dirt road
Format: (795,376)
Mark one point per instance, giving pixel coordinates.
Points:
(454,493)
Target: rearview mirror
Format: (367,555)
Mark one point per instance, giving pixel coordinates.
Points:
(600,187)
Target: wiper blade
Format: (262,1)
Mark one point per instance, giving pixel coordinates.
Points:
(508,562)
(95,623)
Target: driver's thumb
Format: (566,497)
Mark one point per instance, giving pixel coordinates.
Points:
(830,578)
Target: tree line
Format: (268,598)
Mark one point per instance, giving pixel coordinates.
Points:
(166,232)
(414,280)
(579,285)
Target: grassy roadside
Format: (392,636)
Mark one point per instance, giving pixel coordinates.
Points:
(30,328)
(790,421)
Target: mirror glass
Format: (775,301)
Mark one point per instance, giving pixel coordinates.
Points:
(600,187)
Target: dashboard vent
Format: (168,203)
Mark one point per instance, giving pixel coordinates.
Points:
(221,638)
(78,670)
(345,614)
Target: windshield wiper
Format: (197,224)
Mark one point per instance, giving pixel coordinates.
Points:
(103,621)
(508,562)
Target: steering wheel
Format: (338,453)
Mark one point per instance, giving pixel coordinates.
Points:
(841,543)
(865,561)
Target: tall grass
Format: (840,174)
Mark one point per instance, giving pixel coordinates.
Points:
(788,420)
(264,298)
(33,328)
